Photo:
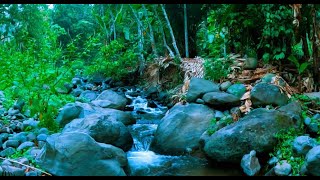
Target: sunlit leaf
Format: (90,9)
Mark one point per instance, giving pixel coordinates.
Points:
(210,38)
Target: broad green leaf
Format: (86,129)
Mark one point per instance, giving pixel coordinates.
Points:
(266,56)
(293,59)
(303,67)
(281,55)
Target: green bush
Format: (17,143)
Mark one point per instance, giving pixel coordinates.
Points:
(115,60)
(217,68)
(31,74)
(284,150)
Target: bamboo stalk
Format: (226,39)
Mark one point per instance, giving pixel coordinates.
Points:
(26,166)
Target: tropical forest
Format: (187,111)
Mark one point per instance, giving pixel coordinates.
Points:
(159,89)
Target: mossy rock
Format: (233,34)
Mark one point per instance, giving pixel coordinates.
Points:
(250,64)
(237,90)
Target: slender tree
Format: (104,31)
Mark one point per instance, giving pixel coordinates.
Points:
(186,30)
(171,32)
(162,32)
(153,43)
(141,40)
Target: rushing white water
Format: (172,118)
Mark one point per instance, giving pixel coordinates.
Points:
(142,161)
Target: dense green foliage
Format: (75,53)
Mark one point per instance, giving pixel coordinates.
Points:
(31,73)
(284,148)
(114,60)
(284,151)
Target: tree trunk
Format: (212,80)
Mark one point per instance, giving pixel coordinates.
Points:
(315,48)
(162,32)
(171,32)
(115,20)
(113,25)
(153,43)
(186,30)
(141,57)
(141,40)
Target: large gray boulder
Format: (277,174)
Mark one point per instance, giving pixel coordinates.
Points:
(125,117)
(116,101)
(87,109)
(267,94)
(294,110)
(88,95)
(78,154)
(69,112)
(104,129)
(198,87)
(180,130)
(269,77)
(221,100)
(312,161)
(254,131)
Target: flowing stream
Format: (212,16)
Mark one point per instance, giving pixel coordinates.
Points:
(143,162)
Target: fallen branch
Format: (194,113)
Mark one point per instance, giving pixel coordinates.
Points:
(314,110)
(26,166)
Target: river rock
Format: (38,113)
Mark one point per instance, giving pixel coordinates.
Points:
(25,145)
(221,100)
(78,154)
(199,87)
(76,92)
(10,143)
(104,103)
(181,128)
(118,101)
(250,64)
(283,168)
(12,171)
(30,122)
(76,81)
(86,109)
(103,128)
(254,131)
(267,94)
(250,163)
(302,144)
(88,95)
(237,90)
(69,112)
(273,161)
(7,152)
(225,85)
(312,161)
(294,110)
